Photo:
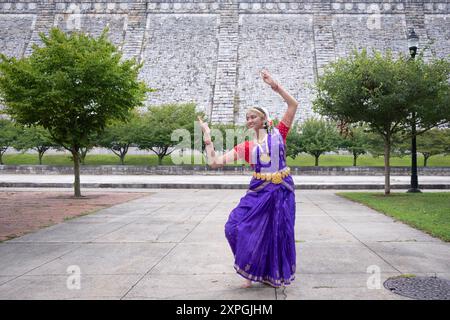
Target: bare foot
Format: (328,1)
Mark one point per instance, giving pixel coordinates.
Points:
(247,284)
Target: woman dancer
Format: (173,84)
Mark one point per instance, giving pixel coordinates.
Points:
(260,230)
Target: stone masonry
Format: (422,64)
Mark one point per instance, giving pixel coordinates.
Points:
(211,52)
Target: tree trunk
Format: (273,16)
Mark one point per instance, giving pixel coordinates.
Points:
(82,156)
(425,160)
(41,150)
(1,157)
(160,157)
(387,168)
(123,153)
(76,171)
(316,163)
(355,156)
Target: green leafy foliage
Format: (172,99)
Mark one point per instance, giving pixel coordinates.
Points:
(8,135)
(72,86)
(160,122)
(118,136)
(382,91)
(36,138)
(318,136)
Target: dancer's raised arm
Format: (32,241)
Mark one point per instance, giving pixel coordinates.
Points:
(288,117)
(212,160)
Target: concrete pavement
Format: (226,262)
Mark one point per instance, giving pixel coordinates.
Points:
(171,245)
(215,181)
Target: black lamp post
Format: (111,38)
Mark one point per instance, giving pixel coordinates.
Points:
(413,43)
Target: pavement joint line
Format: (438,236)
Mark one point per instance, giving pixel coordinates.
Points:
(63,242)
(212,209)
(401,241)
(363,243)
(283,293)
(167,227)
(124,225)
(168,252)
(105,234)
(24,274)
(102,235)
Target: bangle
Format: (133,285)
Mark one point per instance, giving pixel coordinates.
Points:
(275,87)
(208,142)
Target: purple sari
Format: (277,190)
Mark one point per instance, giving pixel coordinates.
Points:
(260,230)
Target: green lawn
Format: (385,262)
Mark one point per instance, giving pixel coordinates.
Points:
(302,160)
(427,211)
(347,160)
(96,159)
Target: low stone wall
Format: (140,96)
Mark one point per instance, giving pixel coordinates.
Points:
(202,170)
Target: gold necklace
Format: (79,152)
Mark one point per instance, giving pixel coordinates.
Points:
(264,156)
(261,140)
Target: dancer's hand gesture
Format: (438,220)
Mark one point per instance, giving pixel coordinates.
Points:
(206,131)
(204,126)
(267,78)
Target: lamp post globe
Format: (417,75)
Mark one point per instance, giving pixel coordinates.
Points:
(413,42)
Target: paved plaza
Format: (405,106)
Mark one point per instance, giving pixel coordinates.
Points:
(171,245)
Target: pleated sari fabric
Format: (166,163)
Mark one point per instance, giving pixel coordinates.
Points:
(260,230)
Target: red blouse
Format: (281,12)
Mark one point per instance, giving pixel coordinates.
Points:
(243,149)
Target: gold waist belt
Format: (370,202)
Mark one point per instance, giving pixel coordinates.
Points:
(274,177)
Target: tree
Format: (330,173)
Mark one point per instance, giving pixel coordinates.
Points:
(37,138)
(158,124)
(8,135)
(317,137)
(430,104)
(120,135)
(375,144)
(72,86)
(375,90)
(294,141)
(429,93)
(433,142)
(355,142)
(83,152)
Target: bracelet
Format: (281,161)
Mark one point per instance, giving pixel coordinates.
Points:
(275,88)
(208,142)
